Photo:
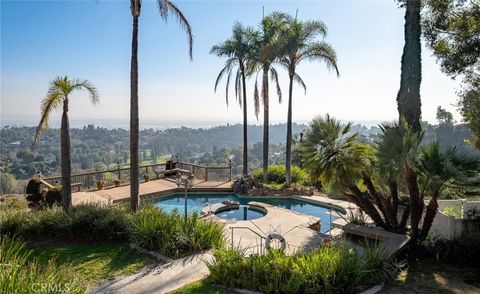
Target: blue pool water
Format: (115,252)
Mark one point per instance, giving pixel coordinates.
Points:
(242,212)
(197,201)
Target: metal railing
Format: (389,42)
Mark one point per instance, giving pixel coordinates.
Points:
(121,175)
(262,238)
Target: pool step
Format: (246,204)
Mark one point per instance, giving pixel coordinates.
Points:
(339,223)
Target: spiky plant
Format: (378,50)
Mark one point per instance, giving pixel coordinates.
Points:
(58,98)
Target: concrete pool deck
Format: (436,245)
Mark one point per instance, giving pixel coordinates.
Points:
(250,235)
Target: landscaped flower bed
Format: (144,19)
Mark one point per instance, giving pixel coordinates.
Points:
(329,269)
(167,233)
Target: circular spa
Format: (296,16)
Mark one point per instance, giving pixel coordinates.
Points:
(240,212)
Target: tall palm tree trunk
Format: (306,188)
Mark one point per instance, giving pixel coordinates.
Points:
(289,134)
(65,158)
(265,123)
(416,203)
(430,213)
(245,124)
(408,98)
(134,182)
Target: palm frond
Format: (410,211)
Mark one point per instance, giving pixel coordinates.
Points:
(256,99)
(227,85)
(274,77)
(227,68)
(321,51)
(52,101)
(166,7)
(299,81)
(88,86)
(238,87)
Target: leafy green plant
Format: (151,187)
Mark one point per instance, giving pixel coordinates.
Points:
(452,211)
(9,202)
(462,251)
(18,274)
(170,234)
(330,269)
(86,223)
(357,217)
(276,175)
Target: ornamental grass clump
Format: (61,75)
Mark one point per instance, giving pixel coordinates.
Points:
(169,234)
(329,269)
(20,274)
(85,223)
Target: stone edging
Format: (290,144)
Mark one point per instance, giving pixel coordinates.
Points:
(155,255)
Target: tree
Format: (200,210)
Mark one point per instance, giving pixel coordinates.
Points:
(452,32)
(469,106)
(373,179)
(408,98)
(7,183)
(58,97)
(266,51)
(165,7)
(298,44)
(438,168)
(444,116)
(238,50)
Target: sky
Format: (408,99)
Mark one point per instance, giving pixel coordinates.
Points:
(92,40)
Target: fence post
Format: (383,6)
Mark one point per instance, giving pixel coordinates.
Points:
(119,172)
(230,170)
(206,174)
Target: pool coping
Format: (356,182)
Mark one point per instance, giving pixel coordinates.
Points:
(335,204)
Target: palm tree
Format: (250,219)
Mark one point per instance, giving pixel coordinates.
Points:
(299,44)
(408,98)
(331,153)
(238,50)
(266,51)
(438,168)
(58,97)
(398,147)
(165,7)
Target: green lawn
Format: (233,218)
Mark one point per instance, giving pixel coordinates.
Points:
(429,276)
(201,287)
(93,262)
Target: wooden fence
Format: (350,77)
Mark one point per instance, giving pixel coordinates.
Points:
(121,175)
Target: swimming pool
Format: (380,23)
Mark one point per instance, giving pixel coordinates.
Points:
(196,201)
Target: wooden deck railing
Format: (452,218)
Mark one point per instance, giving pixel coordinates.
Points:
(121,175)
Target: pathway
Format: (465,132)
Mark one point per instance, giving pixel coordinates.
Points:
(162,278)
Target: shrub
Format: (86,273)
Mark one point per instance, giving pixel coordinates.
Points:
(330,269)
(15,202)
(20,275)
(169,234)
(86,222)
(34,193)
(276,175)
(463,251)
(53,196)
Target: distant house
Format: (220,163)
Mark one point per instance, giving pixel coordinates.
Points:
(15,143)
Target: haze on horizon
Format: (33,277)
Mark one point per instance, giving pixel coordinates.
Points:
(92,39)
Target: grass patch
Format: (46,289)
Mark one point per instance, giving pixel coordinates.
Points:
(430,276)
(92,262)
(201,287)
